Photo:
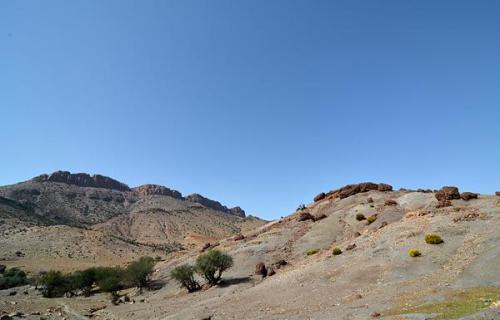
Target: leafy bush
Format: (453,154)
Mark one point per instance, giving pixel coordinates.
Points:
(54,283)
(360,217)
(109,279)
(414,253)
(12,277)
(311,252)
(432,238)
(336,251)
(184,274)
(211,265)
(82,280)
(371,219)
(138,272)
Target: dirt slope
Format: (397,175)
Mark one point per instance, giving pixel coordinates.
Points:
(375,278)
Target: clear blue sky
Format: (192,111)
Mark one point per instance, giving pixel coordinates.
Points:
(261,104)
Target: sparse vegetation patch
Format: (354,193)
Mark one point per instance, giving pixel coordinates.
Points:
(432,238)
(360,217)
(311,252)
(414,253)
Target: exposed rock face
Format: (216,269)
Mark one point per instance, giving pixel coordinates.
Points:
(384,187)
(497,193)
(352,189)
(216,205)
(448,193)
(237,211)
(154,189)
(468,196)
(83,180)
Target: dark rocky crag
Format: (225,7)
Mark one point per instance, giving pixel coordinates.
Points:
(83,180)
(216,205)
(154,189)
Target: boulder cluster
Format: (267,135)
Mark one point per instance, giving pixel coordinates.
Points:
(448,193)
(352,189)
(268,271)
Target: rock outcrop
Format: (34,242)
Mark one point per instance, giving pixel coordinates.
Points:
(448,193)
(83,180)
(468,196)
(260,269)
(319,197)
(352,189)
(154,189)
(216,205)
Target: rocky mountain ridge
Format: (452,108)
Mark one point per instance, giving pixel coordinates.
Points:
(83,199)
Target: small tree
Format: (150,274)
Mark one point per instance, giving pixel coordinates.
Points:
(54,283)
(184,274)
(211,265)
(83,280)
(109,279)
(138,272)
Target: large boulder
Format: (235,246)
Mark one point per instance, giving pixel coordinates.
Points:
(448,193)
(319,197)
(154,189)
(468,196)
(260,269)
(497,193)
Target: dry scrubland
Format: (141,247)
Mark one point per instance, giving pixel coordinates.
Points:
(344,256)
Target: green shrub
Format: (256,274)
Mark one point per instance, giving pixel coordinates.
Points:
(414,253)
(311,252)
(360,217)
(371,219)
(55,284)
(432,238)
(184,274)
(336,251)
(12,277)
(211,265)
(109,279)
(301,207)
(82,280)
(138,272)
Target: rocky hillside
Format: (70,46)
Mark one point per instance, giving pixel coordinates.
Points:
(82,199)
(103,212)
(370,274)
(357,252)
